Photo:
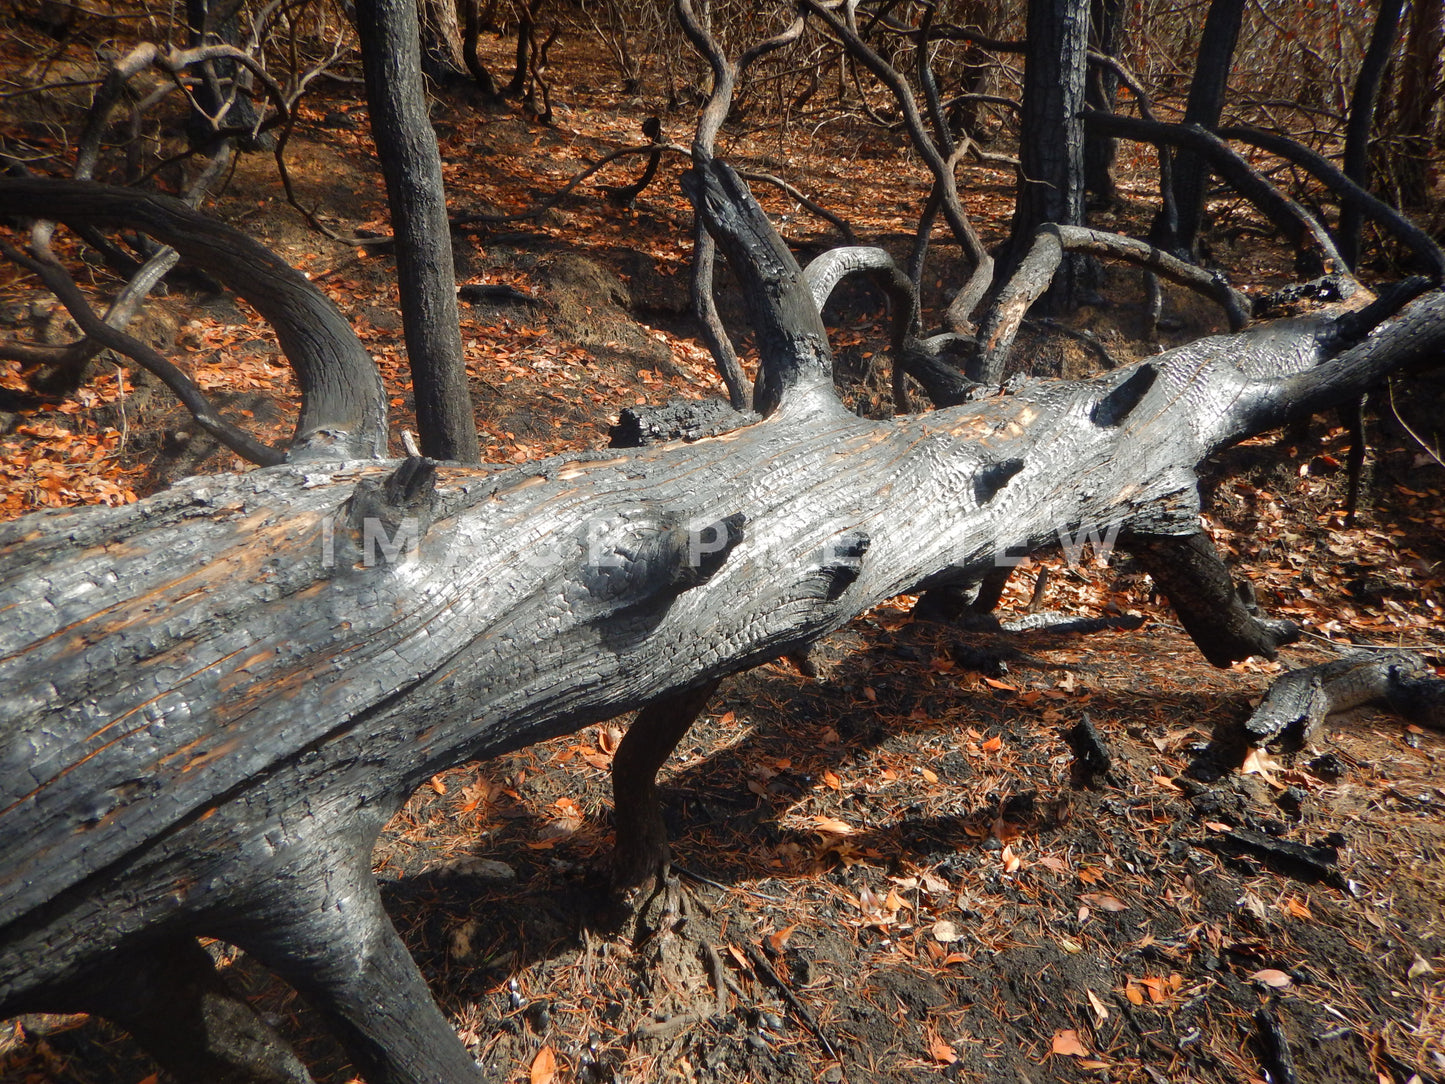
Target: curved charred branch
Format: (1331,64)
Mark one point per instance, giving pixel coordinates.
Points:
(1351,195)
(104,335)
(940,164)
(823,274)
(624,195)
(725,72)
(70,359)
(704,308)
(935,362)
(715,111)
(1037,269)
(942,135)
(1300,700)
(796,360)
(538,209)
(1293,221)
(343,408)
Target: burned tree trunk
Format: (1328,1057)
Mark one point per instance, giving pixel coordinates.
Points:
(218,696)
(412,165)
(1051,148)
(1206,103)
(1362,120)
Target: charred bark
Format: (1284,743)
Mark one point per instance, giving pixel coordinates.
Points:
(218,696)
(1206,103)
(1299,701)
(1356,161)
(1107,20)
(1051,148)
(411,163)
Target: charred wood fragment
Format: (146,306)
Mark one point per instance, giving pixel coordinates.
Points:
(1300,700)
(1278,1062)
(681,419)
(1092,758)
(1313,864)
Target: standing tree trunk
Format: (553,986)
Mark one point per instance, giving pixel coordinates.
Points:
(1206,102)
(1417,105)
(1051,152)
(1107,36)
(212,110)
(470,33)
(526,24)
(406,144)
(443,57)
(1362,120)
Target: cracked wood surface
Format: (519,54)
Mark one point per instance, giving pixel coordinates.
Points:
(195,698)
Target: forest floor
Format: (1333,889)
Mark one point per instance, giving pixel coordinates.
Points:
(895,870)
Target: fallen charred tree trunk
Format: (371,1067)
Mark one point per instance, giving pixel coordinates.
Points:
(218,696)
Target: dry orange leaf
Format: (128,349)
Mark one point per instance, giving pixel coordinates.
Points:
(832,779)
(1158,992)
(929,776)
(1067,1044)
(1298,908)
(831,826)
(777,940)
(940,1051)
(993,745)
(1103,902)
(438,784)
(544,1066)
(1133,993)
